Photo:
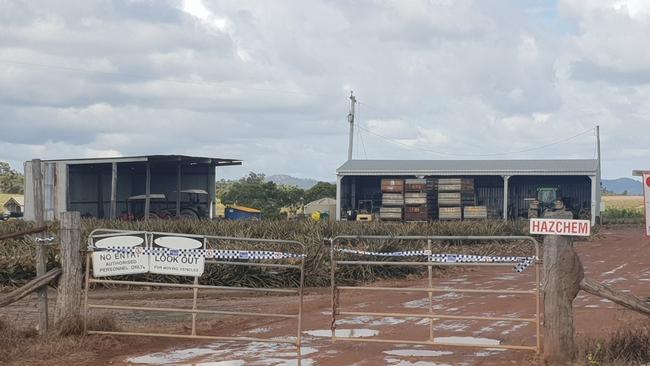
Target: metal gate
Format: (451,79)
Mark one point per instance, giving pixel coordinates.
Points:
(213,250)
(433,260)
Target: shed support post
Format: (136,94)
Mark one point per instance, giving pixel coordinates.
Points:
(113,211)
(594,198)
(212,190)
(505,196)
(178,190)
(147,192)
(338,197)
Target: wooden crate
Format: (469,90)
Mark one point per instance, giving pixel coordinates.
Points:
(390,213)
(392,185)
(415,198)
(449,213)
(415,185)
(449,199)
(392,199)
(475,213)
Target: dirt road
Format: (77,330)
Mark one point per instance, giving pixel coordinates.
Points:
(619,257)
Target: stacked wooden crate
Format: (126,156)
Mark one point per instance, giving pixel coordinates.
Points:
(415,200)
(392,200)
(432,198)
(453,194)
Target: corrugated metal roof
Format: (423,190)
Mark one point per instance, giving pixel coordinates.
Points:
(469,167)
(153,158)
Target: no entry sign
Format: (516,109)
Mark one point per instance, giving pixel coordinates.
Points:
(112,263)
(560,227)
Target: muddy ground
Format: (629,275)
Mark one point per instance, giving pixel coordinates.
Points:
(619,257)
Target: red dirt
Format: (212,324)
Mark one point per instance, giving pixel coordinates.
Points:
(619,257)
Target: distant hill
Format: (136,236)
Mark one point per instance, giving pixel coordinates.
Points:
(292,181)
(619,185)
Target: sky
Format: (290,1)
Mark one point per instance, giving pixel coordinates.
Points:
(268,82)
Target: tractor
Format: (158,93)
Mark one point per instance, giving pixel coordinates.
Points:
(548,199)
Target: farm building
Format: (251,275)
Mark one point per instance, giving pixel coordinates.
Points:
(322,206)
(481,188)
(127,187)
(14,204)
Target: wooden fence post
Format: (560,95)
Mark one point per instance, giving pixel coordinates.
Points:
(41,249)
(68,300)
(563,272)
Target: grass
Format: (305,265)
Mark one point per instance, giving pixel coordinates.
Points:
(24,346)
(623,210)
(628,345)
(624,202)
(17,263)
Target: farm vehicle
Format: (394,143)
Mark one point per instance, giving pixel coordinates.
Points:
(192,206)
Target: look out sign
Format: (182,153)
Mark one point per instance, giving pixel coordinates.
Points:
(173,255)
(560,227)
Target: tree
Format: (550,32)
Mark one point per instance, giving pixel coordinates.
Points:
(320,190)
(253,191)
(10,180)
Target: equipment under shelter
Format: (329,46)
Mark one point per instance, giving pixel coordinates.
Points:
(427,190)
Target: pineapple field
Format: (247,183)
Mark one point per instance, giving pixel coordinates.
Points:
(17,256)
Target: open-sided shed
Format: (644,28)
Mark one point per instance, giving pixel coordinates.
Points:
(137,186)
(501,185)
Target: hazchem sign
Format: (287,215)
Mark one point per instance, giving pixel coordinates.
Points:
(560,227)
(108,262)
(646,199)
(177,255)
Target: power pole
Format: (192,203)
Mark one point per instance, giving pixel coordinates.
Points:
(353,101)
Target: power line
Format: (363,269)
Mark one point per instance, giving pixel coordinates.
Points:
(363,144)
(394,141)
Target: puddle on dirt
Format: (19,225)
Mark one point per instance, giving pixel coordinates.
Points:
(348,333)
(161,358)
(398,362)
(259,330)
(614,280)
(614,270)
(218,363)
(468,340)
(228,354)
(417,353)
(424,302)
(358,320)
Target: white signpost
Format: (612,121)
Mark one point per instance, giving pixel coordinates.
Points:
(646,200)
(168,259)
(645,174)
(108,262)
(560,227)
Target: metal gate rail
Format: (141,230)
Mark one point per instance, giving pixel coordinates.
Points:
(194,311)
(336,290)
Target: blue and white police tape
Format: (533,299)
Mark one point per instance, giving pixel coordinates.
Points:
(521,263)
(207,253)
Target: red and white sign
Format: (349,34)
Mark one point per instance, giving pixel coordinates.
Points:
(560,227)
(646,200)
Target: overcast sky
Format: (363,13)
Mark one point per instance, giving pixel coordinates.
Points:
(268,81)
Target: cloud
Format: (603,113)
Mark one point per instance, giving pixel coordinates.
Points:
(268,82)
